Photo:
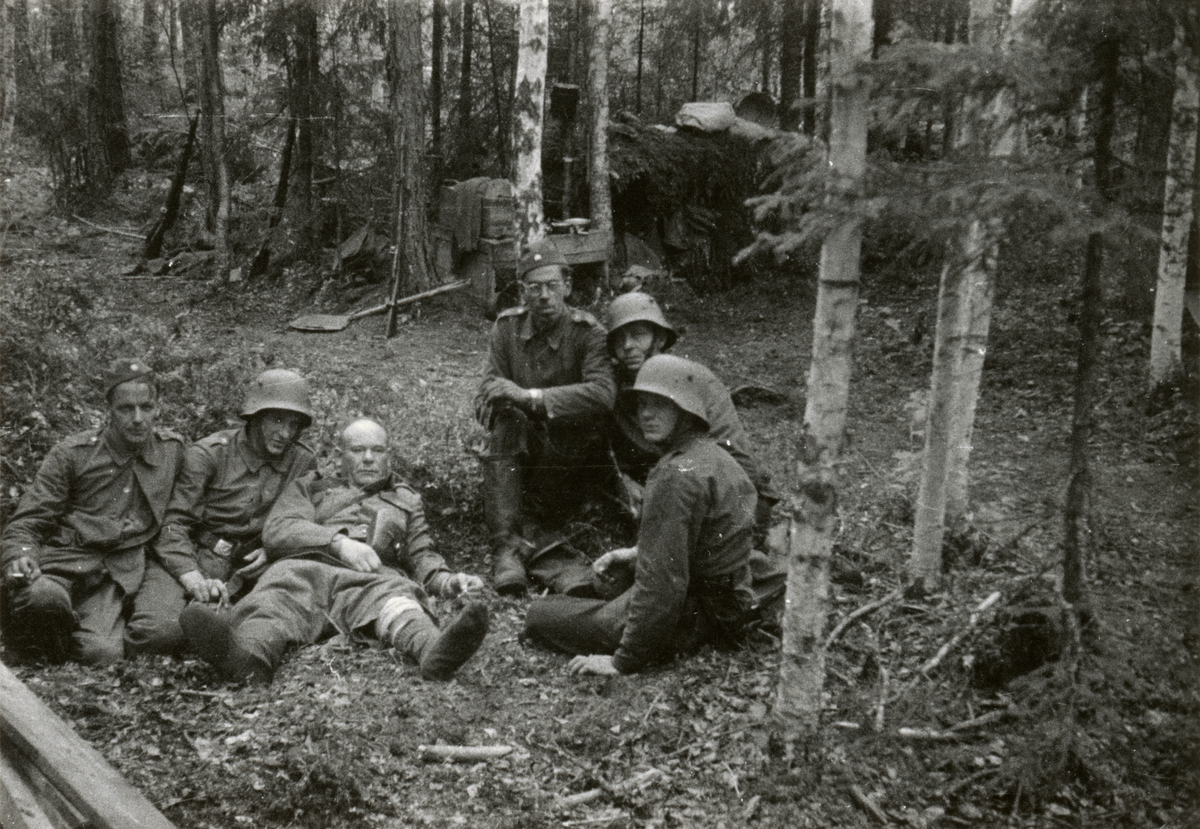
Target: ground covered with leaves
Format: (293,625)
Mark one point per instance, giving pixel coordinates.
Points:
(1086,726)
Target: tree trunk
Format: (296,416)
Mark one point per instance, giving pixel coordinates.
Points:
(1079,487)
(304,81)
(641,52)
(1165,340)
(8,73)
(466,135)
(151,31)
(812,64)
(435,81)
(109,152)
(600,191)
(814,521)
(212,108)
(529,111)
(791,64)
(408,115)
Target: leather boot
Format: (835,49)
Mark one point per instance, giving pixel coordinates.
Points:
(502,509)
(561,568)
(210,634)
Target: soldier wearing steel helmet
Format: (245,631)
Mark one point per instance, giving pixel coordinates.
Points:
(694,579)
(546,390)
(211,539)
(74,550)
(637,331)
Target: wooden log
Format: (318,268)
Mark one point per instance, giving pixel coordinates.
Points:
(78,771)
(463,754)
(19,804)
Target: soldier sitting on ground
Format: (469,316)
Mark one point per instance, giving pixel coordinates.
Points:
(637,331)
(546,390)
(694,579)
(74,551)
(210,547)
(339,547)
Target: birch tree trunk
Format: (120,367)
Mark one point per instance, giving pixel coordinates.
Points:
(814,514)
(600,191)
(1165,341)
(529,112)
(408,117)
(212,107)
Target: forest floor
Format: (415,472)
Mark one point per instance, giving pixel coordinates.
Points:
(1105,734)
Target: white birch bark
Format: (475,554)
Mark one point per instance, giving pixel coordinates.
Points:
(599,189)
(1165,358)
(814,520)
(529,118)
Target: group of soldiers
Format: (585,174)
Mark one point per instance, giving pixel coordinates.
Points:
(237,548)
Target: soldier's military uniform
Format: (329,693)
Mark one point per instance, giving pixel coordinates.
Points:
(694,578)
(545,461)
(92,510)
(214,518)
(308,593)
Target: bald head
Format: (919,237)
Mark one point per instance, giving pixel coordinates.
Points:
(365,458)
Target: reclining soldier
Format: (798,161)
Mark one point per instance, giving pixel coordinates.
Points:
(637,331)
(339,548)
(694,580)
(210,548)
(546,390)
(74,551)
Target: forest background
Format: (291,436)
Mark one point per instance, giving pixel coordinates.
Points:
(324,131)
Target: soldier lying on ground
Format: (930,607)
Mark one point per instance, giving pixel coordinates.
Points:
(74,551)
(334,544)
(693,574)
(637,331)
(546,390)
(211,543)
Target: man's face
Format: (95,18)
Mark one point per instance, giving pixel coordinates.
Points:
(274,430)
(545,292)
(365,459)
(132,408)
(657,416)
(634,343)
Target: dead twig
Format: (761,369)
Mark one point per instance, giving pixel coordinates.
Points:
(958,786)
(860,797)
(881,706)
(462,754)
(982,720)
(972,622)
(111,230)
(925,734)
(858,614)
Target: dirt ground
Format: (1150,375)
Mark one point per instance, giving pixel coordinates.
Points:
(1108,736)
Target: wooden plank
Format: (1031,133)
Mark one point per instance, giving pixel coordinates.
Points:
(61,813)
(583,248)
(20,807)
(76,769)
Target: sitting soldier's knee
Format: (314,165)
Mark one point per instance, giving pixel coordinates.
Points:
(98,652)
(152,636)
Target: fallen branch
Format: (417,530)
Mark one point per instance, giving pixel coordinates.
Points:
(972,622)
(982,720)
(966,781)
(631,784)
(881,707)
(112,230)
(860,797)
(925,734)
(462,754)
(858,614)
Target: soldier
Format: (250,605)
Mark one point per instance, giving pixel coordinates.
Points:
(338,545)
(694,580)
(211,543)
(546,390)
(637,331)
(74,551)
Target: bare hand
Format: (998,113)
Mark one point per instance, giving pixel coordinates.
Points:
(622,555)
(594,665)
(203,589)
(461,583)
(357,555)
(22,572)
(255,564)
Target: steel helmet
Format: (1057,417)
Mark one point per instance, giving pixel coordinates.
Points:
(541,254)
(636,306)
(680,381)
(278,388)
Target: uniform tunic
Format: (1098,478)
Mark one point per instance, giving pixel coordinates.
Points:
(86,519)
(224,492)
(309,593)
(693,577)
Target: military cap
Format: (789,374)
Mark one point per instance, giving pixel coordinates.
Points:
(124,369)
(540,254)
